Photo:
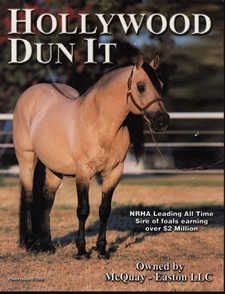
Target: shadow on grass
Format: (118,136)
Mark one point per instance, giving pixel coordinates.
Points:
(120,220)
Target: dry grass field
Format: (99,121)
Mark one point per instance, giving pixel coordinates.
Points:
(198,251)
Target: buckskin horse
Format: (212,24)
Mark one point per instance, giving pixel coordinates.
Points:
(83,137)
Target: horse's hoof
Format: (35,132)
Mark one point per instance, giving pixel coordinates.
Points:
(30,246)
(42,248)
(104,255)
(82,256)
(27,243)
(48,248)
(33,249)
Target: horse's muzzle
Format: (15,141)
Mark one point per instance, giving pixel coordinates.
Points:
(159,120)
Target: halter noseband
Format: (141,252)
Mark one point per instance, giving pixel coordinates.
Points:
(151,73)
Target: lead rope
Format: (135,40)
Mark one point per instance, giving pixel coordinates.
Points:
(154,139)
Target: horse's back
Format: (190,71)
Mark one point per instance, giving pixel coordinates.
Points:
(65,91)
(44,91)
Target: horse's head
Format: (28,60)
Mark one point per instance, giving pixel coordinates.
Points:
(144,94)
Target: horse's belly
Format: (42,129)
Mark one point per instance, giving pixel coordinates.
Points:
(52,146)
(55,159)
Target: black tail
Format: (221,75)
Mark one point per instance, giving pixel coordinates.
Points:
(38,190)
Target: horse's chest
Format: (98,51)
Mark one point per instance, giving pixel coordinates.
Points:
(99,157)
(115,152)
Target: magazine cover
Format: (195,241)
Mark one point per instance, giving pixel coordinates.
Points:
(111,145)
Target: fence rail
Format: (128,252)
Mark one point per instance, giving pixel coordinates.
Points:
(161,144)
(173,115)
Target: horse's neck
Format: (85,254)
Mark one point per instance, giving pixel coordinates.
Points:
(108,103)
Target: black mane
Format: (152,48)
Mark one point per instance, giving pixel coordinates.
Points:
(135,124)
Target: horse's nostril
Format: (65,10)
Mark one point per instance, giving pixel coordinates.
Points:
(160,121)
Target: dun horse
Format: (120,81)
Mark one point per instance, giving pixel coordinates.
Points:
(83,137)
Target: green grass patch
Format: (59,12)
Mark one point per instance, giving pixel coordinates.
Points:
(194,181)
(8,181)
(168,180)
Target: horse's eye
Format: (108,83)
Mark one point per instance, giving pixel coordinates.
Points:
(141,87)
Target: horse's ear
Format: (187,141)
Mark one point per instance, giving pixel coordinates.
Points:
(155,61)
(140,61)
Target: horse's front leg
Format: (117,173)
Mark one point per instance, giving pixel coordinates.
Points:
(82,213)
(110,181)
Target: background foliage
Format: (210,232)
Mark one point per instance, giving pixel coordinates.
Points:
(192,66)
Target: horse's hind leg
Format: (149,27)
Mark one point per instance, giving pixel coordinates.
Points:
(110,181)
(27,162)
(46,184)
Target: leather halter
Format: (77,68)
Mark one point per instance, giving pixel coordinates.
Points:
(155,81)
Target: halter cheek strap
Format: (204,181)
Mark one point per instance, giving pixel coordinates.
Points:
(155,81)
